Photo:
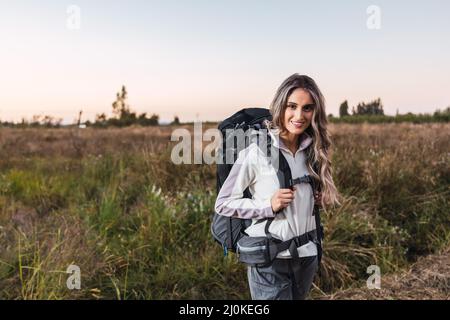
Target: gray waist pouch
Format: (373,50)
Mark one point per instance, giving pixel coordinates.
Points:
(257,251)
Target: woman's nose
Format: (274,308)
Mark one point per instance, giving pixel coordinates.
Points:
(298,114)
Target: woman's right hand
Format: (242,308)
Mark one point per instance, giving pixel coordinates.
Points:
(281,199)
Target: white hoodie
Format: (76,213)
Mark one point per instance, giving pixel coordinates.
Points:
(252,169)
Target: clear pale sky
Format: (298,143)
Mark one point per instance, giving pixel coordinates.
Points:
(207,59)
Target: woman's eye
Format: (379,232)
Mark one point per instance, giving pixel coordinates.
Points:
(292,106)
(307,108)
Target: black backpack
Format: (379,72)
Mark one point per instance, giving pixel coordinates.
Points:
(227,231)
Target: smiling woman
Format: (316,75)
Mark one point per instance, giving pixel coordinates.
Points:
(286,213)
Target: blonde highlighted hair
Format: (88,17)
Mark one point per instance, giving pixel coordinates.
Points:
(318,158)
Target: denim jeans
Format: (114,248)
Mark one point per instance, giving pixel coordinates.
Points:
(285,279)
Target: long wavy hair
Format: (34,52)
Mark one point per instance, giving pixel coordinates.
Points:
(318,158)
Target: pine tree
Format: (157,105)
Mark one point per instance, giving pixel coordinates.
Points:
(343,109)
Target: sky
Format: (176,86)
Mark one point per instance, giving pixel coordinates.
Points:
(204,60)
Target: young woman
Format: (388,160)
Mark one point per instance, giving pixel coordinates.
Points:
(299,130)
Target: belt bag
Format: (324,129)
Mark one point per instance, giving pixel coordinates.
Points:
(262,251)
(257,251)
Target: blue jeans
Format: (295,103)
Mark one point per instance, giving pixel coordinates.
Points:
(285,279)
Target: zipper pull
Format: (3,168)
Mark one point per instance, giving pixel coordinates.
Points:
(225,250)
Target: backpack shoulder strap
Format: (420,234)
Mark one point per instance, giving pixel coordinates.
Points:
(284,171)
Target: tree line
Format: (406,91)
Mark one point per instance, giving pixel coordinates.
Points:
(123,116)
(372,112)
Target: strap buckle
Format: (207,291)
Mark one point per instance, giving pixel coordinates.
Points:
(305,179)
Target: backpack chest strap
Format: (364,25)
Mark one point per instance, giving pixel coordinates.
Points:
(305,179)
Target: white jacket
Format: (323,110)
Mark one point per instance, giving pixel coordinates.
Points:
(252,169)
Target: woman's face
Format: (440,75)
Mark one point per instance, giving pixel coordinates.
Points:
(298,113)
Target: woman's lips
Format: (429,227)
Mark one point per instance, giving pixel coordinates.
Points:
(297,124)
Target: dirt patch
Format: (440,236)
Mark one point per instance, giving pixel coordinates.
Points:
(428,278)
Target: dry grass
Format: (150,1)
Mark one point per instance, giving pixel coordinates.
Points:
(428,278)
(112,202)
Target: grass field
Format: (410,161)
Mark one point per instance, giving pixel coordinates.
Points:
(111,202)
